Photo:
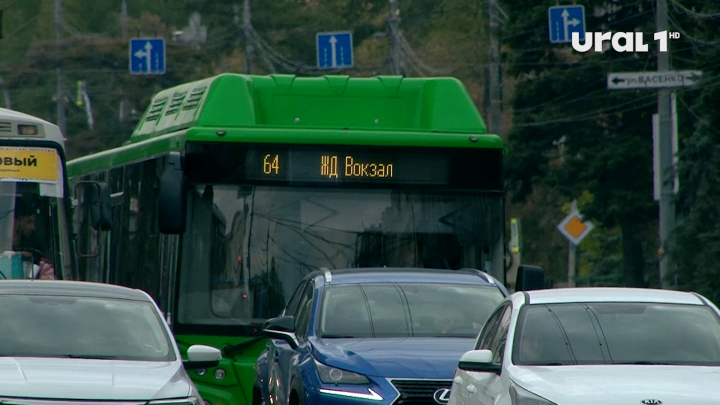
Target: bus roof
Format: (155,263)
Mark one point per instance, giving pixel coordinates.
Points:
(382,104)
(285,109)
(10,119)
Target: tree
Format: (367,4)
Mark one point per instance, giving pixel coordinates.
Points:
(101,62)
(697,249)
(572,134)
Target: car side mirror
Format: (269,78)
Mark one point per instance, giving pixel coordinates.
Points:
(478,361)
(201,356)
(530,278)
(283,328)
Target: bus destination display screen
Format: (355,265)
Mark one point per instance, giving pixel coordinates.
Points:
(345,165)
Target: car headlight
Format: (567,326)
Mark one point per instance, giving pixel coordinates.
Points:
(183,401)
(331,375)
(521,396)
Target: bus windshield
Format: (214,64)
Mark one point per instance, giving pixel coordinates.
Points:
(246,248)
(34,241)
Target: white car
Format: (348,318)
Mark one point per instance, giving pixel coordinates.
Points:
(594,346)
(70,342)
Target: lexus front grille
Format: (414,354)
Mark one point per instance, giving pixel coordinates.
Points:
(418,392)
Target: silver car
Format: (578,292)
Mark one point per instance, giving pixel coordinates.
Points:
(70,341)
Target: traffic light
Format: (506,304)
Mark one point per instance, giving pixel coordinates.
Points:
(1,16)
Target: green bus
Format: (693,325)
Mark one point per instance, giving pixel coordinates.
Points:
(232,188)
(35,201)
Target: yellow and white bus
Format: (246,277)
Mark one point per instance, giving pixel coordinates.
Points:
(36,237)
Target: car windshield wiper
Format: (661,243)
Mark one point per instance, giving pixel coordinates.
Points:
(645,363)
(549,364)
(88,356)
(338,337)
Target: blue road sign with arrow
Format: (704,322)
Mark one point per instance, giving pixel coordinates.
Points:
(563,21)
(334,50)
(147,56)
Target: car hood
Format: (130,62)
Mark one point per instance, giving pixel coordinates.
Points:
(397,358)
(620,385)
(61,378)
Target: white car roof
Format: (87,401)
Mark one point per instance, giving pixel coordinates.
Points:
(608,294)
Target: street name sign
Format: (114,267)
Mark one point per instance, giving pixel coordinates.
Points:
(652,80)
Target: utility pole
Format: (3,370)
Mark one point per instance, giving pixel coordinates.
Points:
(60,96)
(247,27)
(6,92)
(123,19)
(494,72)
(394,22)
(667,207)
(495,93)
(124,34)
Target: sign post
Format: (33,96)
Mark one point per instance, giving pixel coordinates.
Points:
(575,230)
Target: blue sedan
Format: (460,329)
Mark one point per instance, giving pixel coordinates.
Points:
(383,336)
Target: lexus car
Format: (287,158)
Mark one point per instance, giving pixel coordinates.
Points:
(70,342)
(594,346)
(373,335)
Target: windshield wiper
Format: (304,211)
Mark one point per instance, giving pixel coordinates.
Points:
(338,337)
(550,364)
(645,363)
(90,357)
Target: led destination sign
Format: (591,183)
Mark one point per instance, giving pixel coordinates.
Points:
(337,166)
(344,166)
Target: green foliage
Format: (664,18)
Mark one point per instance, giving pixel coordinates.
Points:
(92,50)
(606,135)
(570,133)
(291,25)
(105,83)
(559,97)
(697,251)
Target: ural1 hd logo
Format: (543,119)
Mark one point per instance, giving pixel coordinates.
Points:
(631,41)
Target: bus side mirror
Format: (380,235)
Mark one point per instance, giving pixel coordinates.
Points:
(95,200)
(530,278)
(173,197)
(98,196)
(101,209)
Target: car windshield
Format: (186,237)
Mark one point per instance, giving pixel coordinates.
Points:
(617,333)
(406,310)
(55,326)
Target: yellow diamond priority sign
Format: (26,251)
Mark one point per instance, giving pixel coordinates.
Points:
(574,228)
